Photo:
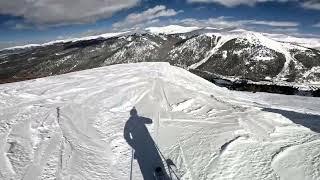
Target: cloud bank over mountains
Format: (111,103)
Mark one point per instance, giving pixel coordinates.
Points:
(54,18)
(60,12)
(150,15)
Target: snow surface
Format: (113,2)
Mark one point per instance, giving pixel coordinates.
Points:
(171,29)
(72,126)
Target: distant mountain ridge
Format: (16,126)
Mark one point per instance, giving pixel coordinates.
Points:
(233,54)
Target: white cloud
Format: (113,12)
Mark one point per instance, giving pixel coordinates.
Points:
(219,22)
(232,3)
(312,4)
(58,12)
(21,26)
(148,15)
(272,23)
(316,25)
(285,30)
(307,4)
(226,22)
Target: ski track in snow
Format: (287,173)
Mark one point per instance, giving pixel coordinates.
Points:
(71,127)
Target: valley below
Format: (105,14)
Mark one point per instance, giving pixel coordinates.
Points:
(237,59)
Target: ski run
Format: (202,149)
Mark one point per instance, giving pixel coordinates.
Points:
(85,125)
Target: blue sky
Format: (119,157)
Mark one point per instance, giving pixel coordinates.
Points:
(37,21)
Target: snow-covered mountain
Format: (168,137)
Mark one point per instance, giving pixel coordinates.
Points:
(86,38)
(77,126)
(306,42)
(231,54)
(171,29)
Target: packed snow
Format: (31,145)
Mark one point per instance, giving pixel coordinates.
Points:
(109,122)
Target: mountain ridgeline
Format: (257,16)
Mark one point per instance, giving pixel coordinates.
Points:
(248,56)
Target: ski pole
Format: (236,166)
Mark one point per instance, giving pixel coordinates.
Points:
(131,163)
(167,163)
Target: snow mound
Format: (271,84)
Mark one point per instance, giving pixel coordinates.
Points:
(79,126)
(171,29)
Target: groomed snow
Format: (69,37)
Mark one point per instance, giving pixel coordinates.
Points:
(72,126)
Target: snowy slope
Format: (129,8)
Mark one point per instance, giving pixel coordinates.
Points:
(72,127)
(105,36)
(258,48)
(257,39)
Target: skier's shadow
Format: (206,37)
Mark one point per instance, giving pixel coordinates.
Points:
(145,150)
